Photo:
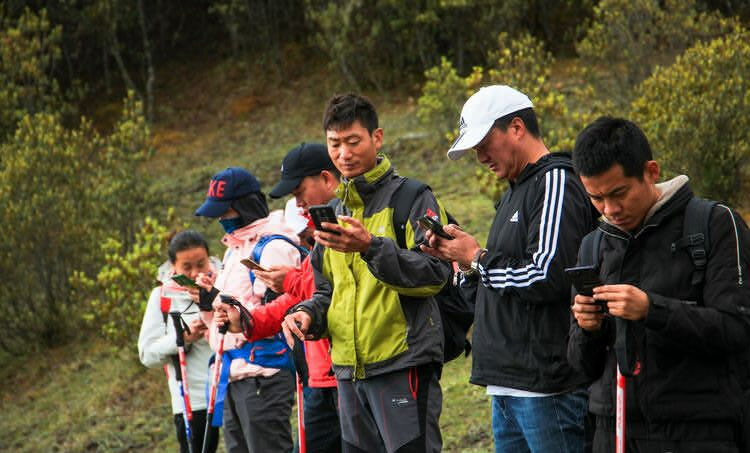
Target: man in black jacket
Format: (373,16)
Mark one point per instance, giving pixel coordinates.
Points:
(522,294)
(686,334)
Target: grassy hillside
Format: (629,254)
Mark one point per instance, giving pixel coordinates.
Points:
(89,397)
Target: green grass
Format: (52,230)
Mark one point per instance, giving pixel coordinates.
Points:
(91,397)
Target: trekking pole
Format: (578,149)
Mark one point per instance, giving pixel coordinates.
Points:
(302,374)
(301,417)
(182,376)
(620,414)
(214,386)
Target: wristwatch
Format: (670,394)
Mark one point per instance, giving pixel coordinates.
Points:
(474,267)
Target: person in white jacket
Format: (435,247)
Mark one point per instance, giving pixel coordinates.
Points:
(188,255)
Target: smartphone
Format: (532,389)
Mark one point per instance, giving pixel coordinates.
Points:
(323,213)
(185,281)
(428,223)
(585,279)
(228,299)
(252,264)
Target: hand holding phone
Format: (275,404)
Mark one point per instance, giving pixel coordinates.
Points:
(323,213)
(428,223)
(185,281)
(585,279)
(252,264)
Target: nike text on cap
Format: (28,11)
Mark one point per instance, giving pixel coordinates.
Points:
(481,111)
(225,187)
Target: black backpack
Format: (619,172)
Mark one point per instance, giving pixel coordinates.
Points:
(456,313)
(695,238)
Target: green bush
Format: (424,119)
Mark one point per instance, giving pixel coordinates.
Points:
(62,193)
(29,52)
(114,301)
(628,38)
(696,114)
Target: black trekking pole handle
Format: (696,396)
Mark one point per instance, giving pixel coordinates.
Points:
(179,327)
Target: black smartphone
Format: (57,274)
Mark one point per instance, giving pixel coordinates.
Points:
(252,264)
(185,281)
(428,223)
(323,213)
(228,299)
(585,279)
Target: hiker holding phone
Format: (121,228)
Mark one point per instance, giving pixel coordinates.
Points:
(188,256)
(522,294)
(257,386)
(674,271)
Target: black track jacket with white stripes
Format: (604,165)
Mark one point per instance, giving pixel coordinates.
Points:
(523,295)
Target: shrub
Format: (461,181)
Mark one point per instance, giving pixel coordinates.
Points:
(29,52)
(62,192)
(627,38)
(114,301)
(696,113)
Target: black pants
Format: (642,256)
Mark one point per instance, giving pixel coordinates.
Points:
(693,437)
(745,429)
(197,427)
(396,412)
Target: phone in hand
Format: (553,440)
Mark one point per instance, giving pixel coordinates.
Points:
(428,223)
(185,281)
(585,279)
(323,213)
(228,299)
(252,264)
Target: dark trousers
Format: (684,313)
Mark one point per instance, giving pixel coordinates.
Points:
(256,414)
(396,412)
(745,429)
(322,426)
(197,429)
(695,437)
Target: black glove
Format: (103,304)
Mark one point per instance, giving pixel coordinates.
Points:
(206,299)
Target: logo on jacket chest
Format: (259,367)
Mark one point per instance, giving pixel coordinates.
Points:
(514,218)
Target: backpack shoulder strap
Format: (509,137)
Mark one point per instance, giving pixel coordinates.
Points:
(262,242)
(402,201)
(695,235)
(590,248)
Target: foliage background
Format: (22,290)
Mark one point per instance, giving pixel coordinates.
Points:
(114,115)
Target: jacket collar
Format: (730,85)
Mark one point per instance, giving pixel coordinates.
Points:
(356,192)
(551,160)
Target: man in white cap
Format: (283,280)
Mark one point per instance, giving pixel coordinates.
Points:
(522,294)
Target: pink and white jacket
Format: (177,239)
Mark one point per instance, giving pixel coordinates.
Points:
(234,280)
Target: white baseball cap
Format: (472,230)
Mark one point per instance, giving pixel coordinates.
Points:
(480,112)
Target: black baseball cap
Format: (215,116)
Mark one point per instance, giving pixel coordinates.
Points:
(307,159)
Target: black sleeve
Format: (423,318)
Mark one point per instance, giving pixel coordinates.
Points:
(317,306)
(409,271)
(561,217)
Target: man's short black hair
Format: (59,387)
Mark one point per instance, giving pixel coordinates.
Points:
(528,117)
(609,141)
(344,109)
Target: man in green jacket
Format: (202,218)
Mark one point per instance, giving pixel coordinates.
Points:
(373,298)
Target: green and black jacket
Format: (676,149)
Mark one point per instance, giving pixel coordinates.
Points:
(377,307)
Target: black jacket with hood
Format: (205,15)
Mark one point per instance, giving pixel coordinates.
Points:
(688,346)
(523,296)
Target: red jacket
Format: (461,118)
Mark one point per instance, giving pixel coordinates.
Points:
(299,285)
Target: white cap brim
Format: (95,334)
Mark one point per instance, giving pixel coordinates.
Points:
(468,139)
